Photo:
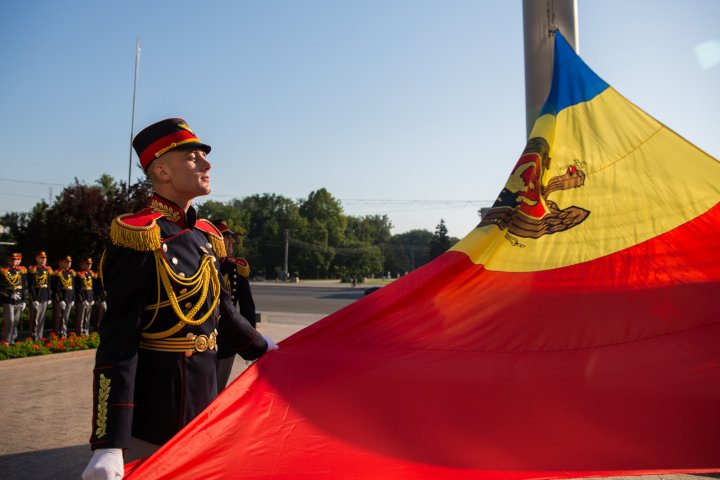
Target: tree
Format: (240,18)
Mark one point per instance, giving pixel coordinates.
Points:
(407,251)
(440,241)
(371,229)
(78,222)
(268,216)
(357,259)
(321,208)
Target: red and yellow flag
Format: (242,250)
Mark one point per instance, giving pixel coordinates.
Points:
(573,333)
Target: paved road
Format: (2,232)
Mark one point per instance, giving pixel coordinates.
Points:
(303,299)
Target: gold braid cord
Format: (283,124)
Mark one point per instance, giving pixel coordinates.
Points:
(66,283)
(201,281)
(41,280)
(13,279)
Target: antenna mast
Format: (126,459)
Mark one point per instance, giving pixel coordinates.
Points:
(132,121)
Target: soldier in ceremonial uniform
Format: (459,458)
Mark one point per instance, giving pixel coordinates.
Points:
(235,272)
(38,280)
(12,295)
(84,298)
(63,295)
(167,308)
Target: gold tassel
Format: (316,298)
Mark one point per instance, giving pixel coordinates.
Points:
(218,246)
(144,239)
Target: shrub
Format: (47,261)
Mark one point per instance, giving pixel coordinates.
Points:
(46,346)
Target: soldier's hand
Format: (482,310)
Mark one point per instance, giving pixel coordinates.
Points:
(271,344)
(62,304)
(105,464)
(36,304)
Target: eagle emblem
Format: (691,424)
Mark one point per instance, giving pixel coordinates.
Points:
(524,207)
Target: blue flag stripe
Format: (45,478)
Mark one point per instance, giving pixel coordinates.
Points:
(572,83)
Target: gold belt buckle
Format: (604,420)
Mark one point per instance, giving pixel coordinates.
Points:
(202,342)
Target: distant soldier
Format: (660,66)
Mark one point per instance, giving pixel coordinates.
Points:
(12,295)
(84,298)
(235,272)
(38,280)
(63,295)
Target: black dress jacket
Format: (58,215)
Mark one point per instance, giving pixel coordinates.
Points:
(38,279)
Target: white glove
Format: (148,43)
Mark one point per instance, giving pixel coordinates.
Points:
(271,344)
(105,464)
(36,304)
(62,304)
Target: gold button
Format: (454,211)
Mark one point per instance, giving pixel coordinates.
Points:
(184,290)
(174,260)
(164,247)
(182,274)
(188,305)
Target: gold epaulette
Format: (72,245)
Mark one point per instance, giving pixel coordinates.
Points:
(32,269)
(242,266)
(136,231)
(214,235)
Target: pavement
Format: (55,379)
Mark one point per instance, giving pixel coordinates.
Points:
(46,406)
(46,401)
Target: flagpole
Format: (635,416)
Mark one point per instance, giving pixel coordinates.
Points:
(132,120)
(540,20)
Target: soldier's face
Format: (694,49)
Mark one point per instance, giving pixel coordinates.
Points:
(187,172)
(41,261)
(64,264)
(14,262)
(230,243)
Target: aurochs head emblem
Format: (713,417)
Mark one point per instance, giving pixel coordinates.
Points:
(523,207)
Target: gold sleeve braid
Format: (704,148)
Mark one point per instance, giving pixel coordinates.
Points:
(205,277)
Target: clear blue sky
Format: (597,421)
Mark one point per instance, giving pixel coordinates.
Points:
(412,108)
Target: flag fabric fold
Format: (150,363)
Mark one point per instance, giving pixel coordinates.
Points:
(573,333)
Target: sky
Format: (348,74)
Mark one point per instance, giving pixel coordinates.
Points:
(410,108)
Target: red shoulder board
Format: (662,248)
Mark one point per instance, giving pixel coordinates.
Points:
(242,266)
(138,231)
(143,219)
(49,270)
(214,235)
(32,269)
(207,227)
(22,269)
(241,262)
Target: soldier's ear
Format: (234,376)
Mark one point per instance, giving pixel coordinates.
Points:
(160,171)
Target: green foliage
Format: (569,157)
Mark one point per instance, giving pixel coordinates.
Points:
(78,222)
(407,251)
(46,346)
(440,241)
(322,241)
